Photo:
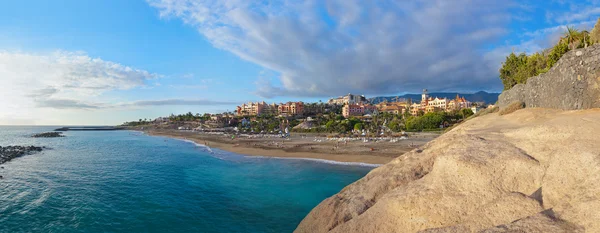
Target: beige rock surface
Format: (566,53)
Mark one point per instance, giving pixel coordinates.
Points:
(534,170)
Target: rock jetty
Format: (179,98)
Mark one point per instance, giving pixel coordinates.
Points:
(8,153)
(48,135)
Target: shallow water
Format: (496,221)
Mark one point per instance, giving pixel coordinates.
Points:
(124,181)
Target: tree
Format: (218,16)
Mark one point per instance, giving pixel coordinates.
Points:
(431,120)
(510,69)
(330,124)
(358,126)
(395,126)
(466,112)
(406,114)
(557,52)
(572,35)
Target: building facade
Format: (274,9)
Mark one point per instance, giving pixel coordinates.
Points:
(291,108)
(393,107)
(262,108)
(348,99)
(440,103)
(431,104)
(357,109)
(458,103)
(258,108)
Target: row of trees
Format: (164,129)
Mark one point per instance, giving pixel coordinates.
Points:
(137,123)
(189,117)
(433,120)
(518,68)
(387,122)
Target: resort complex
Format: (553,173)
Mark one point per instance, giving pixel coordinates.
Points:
(435,104)
(262,108)
(359,105)
(344,114)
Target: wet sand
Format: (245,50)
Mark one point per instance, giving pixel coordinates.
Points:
(311,146)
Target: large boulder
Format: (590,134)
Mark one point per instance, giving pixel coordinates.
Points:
(534,170)
(573,83)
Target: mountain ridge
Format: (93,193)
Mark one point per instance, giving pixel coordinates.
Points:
(480,96)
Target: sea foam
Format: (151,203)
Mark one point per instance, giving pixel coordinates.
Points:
(222,152)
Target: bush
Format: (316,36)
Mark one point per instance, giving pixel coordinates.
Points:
(517,69)
(557,52)
(358,126)
(514,106)
(466,112)
(431,120)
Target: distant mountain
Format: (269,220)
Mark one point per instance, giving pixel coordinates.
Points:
(482,96)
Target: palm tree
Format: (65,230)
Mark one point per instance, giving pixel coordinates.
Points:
(571,35)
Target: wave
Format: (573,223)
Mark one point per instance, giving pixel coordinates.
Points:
(222,152)
(207,148)
(319,160)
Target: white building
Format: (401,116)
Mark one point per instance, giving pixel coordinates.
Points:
(348,99)
(441,103)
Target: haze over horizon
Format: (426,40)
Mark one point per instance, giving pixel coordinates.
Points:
(106,62)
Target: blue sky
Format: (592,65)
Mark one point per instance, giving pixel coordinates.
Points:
(105,62)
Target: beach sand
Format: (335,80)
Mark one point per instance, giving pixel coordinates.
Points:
(305,146)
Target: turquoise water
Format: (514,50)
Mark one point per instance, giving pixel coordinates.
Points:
(124,181)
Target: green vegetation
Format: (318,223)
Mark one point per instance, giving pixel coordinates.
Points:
(189,117)
(518,68)
(465,113)
(137,123)
(431,120)
(327,120)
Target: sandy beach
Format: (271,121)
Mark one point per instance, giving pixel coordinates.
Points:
(312,146)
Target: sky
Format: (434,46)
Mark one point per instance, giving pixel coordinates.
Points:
(104,62)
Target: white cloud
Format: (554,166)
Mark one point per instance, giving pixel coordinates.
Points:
(580,14)
(65,75)
(34,85)
(323,48)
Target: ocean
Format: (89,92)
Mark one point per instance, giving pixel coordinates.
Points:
(126,181)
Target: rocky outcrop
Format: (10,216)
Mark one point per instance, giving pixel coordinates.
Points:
(572,83)
(8,153)
(534,170)
(48,135)
(595,33)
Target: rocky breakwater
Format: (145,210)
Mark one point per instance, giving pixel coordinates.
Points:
(48,135)
(572,83)
(533,170)
(8,153)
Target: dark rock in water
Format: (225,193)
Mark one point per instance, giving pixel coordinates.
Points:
(48,135)
(8,153)
(573,83)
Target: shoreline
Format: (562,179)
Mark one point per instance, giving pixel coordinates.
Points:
(361,164)
(248,147)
